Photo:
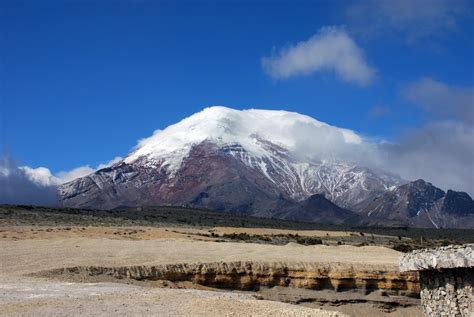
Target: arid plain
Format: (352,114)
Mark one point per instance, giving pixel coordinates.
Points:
(97,265)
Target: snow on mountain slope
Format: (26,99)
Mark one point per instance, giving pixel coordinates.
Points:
(251,129)
(264,163)
(270,164)
(298,154)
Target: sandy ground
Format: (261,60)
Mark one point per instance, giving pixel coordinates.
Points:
(28,256)
(25,250)
(148,233)
(38,298)
(267,231)
(373,307)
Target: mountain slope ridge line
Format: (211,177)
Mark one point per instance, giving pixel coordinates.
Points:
(262,163)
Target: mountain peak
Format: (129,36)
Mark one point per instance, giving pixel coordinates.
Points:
(282,153)
(218,110)
(253,129)
(264,163)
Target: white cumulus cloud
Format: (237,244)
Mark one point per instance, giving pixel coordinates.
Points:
(40,175)
(331,49)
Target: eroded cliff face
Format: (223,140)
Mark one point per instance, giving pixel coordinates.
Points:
(252,276)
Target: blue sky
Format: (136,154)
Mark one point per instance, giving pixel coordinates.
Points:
(82,81)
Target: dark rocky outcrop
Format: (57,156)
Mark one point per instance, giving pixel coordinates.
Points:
(458,203)
(317,209)
(419,203)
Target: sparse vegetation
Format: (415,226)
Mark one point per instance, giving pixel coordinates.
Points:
(402,238)
(402,247)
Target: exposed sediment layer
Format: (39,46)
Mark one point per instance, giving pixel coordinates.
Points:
(253,275)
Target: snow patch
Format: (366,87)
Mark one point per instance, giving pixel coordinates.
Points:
(301,135)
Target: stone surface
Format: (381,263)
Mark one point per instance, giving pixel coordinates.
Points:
(448,292)
(446,279)
(453,256)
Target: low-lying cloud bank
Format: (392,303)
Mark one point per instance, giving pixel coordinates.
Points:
(36,186)
(43,176)
(441,151)
(20,187)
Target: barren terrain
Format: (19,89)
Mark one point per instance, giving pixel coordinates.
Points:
(66,266)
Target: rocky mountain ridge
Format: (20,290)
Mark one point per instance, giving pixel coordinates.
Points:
(420,203)
(237,161)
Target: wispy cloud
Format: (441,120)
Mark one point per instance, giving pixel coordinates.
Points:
(411,19)
(331,49)
(442,100)
(378,111)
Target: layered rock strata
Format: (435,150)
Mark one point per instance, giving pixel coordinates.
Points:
(252,276)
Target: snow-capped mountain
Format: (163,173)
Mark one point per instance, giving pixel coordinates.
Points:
(252,161)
